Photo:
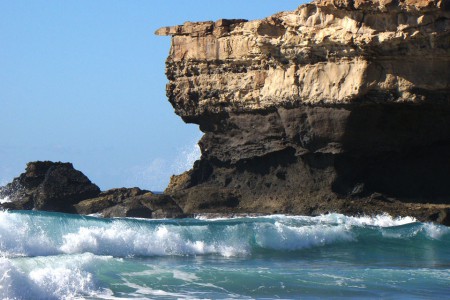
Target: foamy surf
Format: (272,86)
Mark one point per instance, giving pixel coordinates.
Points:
(383,220)
(51,277)
(4,200)
(56,256)
(23,234)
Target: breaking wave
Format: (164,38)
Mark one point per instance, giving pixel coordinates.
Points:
(4,200)
(50,277)
(55,256)
(33,234)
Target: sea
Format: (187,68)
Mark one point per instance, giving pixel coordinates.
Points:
(58,256)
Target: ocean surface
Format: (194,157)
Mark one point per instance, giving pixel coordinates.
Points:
(57,256)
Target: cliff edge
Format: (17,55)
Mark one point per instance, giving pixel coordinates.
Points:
(338,106)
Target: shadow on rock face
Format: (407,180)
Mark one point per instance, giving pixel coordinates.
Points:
(314,160)
(400,150)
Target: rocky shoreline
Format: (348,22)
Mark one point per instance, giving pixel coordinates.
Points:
(56,186)
(336,107)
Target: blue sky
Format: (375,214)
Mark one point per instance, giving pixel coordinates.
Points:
(83,81)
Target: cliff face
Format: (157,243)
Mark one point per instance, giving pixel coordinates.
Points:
(336,106)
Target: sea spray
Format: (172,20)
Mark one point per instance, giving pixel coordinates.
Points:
(159,170)
(186,157)
(4,200)
(21,236)
(279,236)
(51,277)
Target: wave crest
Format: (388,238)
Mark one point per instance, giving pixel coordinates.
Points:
(33,234)
(49,277)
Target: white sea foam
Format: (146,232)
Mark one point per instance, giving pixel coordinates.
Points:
(49,277)
(383,220)
(80,254)
(19,237)
(9,277)
(63,282)
(5,200)
(283,237)
(121,240)
(25,235)
(142,290)
(435,232)
(188,277)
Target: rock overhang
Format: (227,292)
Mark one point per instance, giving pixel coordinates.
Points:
(323,53)
(317,109)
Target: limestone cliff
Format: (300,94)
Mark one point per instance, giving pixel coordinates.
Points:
(336,106)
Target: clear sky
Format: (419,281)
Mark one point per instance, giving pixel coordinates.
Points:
(83,81)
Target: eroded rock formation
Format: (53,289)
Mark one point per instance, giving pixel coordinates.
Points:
(337,106)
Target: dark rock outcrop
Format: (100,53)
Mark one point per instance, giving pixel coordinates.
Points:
(133,202)
(49,186)
(339,106)
(107,200)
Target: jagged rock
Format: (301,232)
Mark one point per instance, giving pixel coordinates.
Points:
(50,186)
(106,200)
(162,206)
(145,206)
(317,109)
(133,202)
(132,208)
(219,200)
(441,217)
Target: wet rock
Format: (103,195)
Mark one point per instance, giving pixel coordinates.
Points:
(441,217)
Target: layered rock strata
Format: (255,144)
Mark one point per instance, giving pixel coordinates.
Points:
(338,106)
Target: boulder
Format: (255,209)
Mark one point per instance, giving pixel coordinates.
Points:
(145,206)
(132,202)
(49,186)
(131,208)
(106,200)
(56,186)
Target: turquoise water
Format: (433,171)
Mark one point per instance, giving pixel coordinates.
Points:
(56,256)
